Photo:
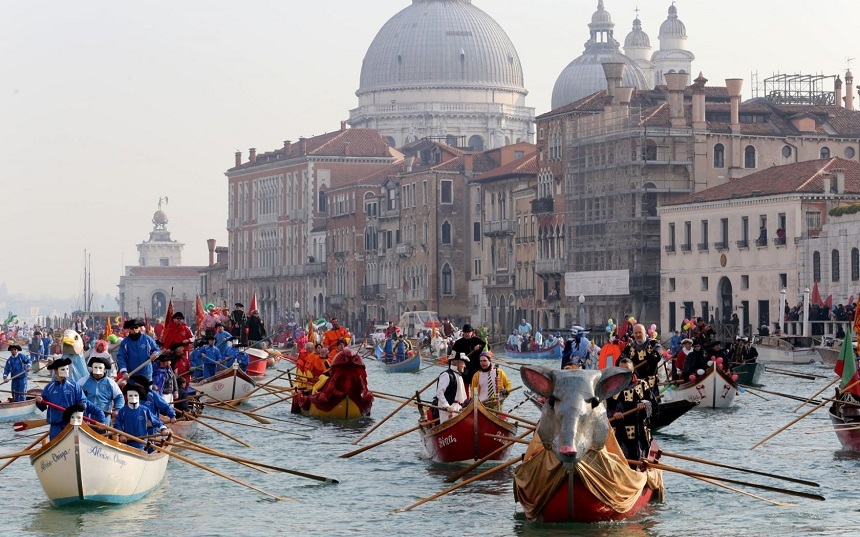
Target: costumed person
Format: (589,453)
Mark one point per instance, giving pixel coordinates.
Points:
(680,358)
(181,403)
(196,360)
(154,401)
(703,332)
(176,331)
(238,319)
(309,367)
(448,328)
(164,379)
(180,360)
(743,352)
(580,349)
(17,364)
(73,349)
(79,325)
(47,342)
(471,345)
(514,340)
(211,357)
(236,353)
(100,389)
(491,382)
(643,349)
(633,431)
(450,389)
(524,328)
(136,350)
(222,337)
(35,345)
(135,418)
(539,337)
(256,330)
(63,392)
(696,363)
(335,336)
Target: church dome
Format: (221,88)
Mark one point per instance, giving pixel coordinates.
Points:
(441,43)
(637,37)
(672,26)
(601,16)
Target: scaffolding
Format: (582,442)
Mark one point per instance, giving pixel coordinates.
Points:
(795,89)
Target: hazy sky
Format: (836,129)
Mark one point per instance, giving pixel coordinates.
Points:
(107,105)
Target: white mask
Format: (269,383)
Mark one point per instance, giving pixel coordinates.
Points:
(77,418)
(63,372)
(98,370)
(133,399)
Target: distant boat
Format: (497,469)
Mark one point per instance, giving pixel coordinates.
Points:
(786,349)
(829,349)
(548,353)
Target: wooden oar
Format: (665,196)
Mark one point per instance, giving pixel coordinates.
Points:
(10,461)
(220,404)
(216,429)
(187,441)
(193,462)
(267,405)
(834,428)
(282,431)
(482,475)
(786,395)
(262,386)
(739,491)
(18,454)
(808,412)
(392,437)
(10,379)
(819,392)
(506,445)
(791,374)
(209,451)
(395,411)
(505,414)
(661,466)
(739,469)
(507,438)
(28,424)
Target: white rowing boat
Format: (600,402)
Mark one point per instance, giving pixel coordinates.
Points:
(714,389)
(228,385)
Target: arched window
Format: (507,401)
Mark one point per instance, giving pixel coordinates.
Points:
(834,266)
(825,152)
(719,156)
(649,150)
(446,232)
(749,157)
(855,264)
(476,143)
(816,267)
(447,280)
(390,141)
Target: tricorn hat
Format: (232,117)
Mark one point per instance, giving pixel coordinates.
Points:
(143,380)
(58,363)
(177,345)
(99,359)
(15,347)
(135,387)
(467,328)
(239,305)
(71,409)
(459,356)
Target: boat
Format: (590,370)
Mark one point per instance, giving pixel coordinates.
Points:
(549,353)
(79,465)
(343,395)
(410,364)
(413,322)
(786,349)
(846,424)
(228,385)
(670,411)
(714,389)
(257,361)
(748,373)
(464,437)
(829,349)
(19,409)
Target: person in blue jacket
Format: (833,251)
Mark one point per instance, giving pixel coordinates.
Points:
(233,353)
(135,418)
(64,393)
(400,349)
(196,359)
(47,342)
(17,364)
(100,389)
(136,349)
(211,358)
(154,401)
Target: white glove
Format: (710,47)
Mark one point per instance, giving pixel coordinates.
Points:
(455,408)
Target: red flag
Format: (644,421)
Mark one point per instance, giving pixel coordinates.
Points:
(829,302)
(816,296)
(199,314)
(856,322)
(146,324)
(169,315)
(253,302)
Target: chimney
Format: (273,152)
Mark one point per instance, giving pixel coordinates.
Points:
(734,85)
(840,181)
(346,148)
(677,82)
(343,126)
(287,146)
(252,155)
(826,180)
(614,72)
(238,158)
(409,162)
(624,95)
(303,146)
(699,122)
(211,244)
(837,91)
(468,165)
(849,90)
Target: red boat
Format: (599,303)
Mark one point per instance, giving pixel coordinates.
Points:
(464,437)
(601,488)
(257,360)
(846,423)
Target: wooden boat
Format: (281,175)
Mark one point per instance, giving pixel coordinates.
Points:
(786,349)
(410,364)
(257,359)
(549,353)
(227,385)
(19,409)
(343,395)
(829,349)
(463,437)
(669,412)
(79,465)
(749,373)
(714,389)
(846,424)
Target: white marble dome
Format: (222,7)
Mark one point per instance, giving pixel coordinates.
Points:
(672,26)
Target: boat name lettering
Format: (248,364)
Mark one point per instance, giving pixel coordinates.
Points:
(499,440)
(99,452)
(447,440)
(217,386)
(119,460)
(60,456)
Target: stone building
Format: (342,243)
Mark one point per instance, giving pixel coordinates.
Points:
(213,278)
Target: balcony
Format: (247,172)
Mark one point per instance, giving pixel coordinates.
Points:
(523,293)
(553,297)
(761,242)
(298,215)
(779,241)
(337,301)
(719,246)
(743,244)
(542,205)
(670,248)
(686,247)
(499,227)
(500,280)
(372,291)
(315,268)
(703,246)
(404,249)
(549,266)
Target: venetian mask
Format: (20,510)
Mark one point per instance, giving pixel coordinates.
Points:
(133,399)
(98,370)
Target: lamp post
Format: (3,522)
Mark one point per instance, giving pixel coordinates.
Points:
(806,312)
(582,309)
(296,307)
(782,312)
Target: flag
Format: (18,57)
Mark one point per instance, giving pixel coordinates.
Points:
(199,314)
(253,302)
(108,329)
(846,366)
(856,321)
(169,315)
(829,302)
(816,296)
(146,324)
(311,335)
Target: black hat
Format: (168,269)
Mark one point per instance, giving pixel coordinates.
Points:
(143,380)
(209,337)
(459,356)
(15,347)
(165,357)
(58,363)
(239,305)
(199,343)
(128,324)
(467,327)
(99,359)
(134,386)
(177,345)
(178,315)
(219,324)
(71,409)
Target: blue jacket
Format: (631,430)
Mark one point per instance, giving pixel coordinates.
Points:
(157,405)
(104,393)
(78,370)
(64,394)
(16,366)
(133,353)
(138,422)
(210,360)
(46,345)
(221,340)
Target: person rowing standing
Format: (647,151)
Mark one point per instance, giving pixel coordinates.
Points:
(471,346)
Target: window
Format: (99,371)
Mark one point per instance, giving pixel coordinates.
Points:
(392,199)
(476,143)
(164,262)
(519,154)
(783,280)
(745,228)
(424,190)
(704,244)
(447,280)
(724,232)
(813,220)
(649,151)
(446,232)
(321,204)
(672,236)
(476,232)
(816,267)
(672,316)
(855,264)
(704,310)
(834,266)
(477,267)
(719,156)
(749,157)
(786,151)
(704,283)
(446,191)
(849,152)
(825,152)
(671,284)
(745,281)
(688,239)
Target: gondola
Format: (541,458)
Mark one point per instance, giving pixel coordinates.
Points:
(464,437)
(548,353)
(846,424)
(343,395)
(714,389)
(228,385)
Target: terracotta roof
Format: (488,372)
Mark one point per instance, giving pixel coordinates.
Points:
(525,165)
(802,177)
(164,272)
(481,162)
(374,179)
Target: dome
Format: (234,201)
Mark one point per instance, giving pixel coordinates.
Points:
(637,37)
(672,26)
(441,43)
(601,16)
(584,76)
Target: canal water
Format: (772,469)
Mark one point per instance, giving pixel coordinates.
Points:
(376,483)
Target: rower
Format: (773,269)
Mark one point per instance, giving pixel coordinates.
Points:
(64,393)
(101,390)
(135,418)
(451,393)
(17,364)
(632,431)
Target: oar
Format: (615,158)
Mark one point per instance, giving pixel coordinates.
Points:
(744,390)
(819,392)
(209,451)
(808,412)
(224,406)
(212,452)
(739,491)
(661,466)
(505,414)
(482,475)
(28,424)
(739,469)
(153,357)
(282,431)
(396,410)
(392,437)
(41,437)
(19,454)
(10,379)
(507,438)
(786,395)
(275,402)
(262,386)
(192,462)
(216,429)
(791,374)
(506,445)
(834,428)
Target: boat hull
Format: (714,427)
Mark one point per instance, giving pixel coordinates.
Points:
(410,365)
(669,412)
(346,409)
(786,350)
(587,508)
(463,437)
(228,385)
(81,466)
(548,353)
(749,374)
(18,409)
(257,360)
(714,389)
(849,438)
